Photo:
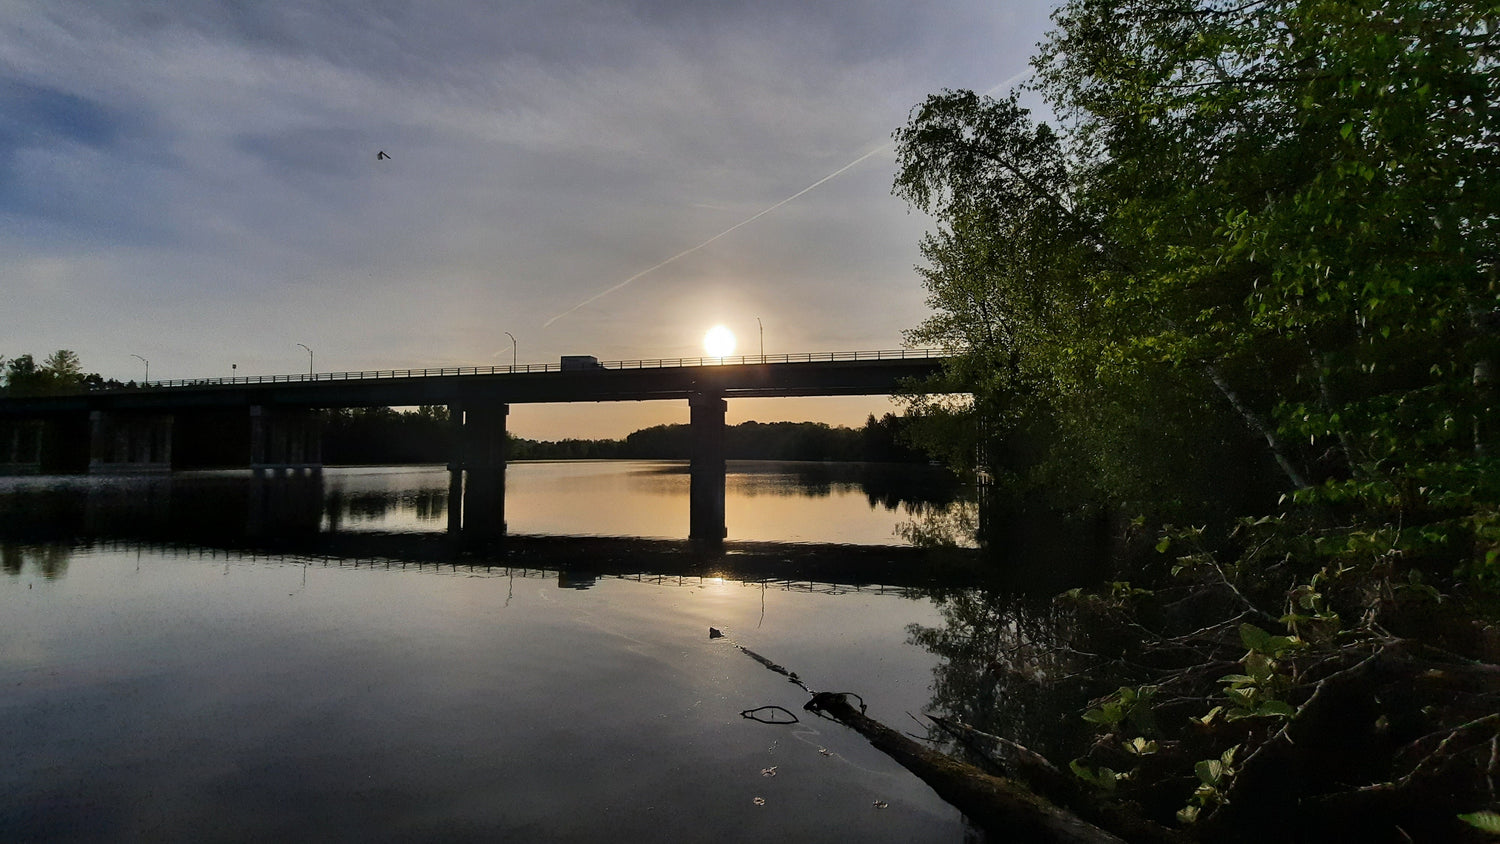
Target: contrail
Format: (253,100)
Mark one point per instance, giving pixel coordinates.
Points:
(745,222)
(1006,83)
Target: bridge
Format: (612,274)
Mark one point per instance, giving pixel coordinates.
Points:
(270,423)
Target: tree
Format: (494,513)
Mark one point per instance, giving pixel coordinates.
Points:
(1278,213)
(64,367)
(61,372)
(1277,200)
(1020,277)
(1297,181)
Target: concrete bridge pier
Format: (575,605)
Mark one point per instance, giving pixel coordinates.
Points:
(121,443)
(285,438)
(476,477)
(706,495)
(21,446)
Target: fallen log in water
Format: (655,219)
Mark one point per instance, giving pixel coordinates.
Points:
(1035,772)
(998,805)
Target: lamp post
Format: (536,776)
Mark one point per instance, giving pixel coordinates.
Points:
(148,367)
(309,361)
(513,349)
(762,339)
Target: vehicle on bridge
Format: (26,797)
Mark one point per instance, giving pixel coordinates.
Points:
(579,362)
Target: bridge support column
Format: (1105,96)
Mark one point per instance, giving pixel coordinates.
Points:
(456,469)
(122,443)
(476,475)
(282,439)
(484,499)
(21,446)
(706,496)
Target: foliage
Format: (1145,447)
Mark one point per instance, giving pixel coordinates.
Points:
(382,434)
(880,440)
(61,373)
(1269,206)
(371,435)
(1266,223)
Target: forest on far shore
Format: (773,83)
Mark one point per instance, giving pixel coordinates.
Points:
(385,435)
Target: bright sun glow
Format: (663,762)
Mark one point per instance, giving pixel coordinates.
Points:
(718,342)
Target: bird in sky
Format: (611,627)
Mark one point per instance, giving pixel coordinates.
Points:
(381,156)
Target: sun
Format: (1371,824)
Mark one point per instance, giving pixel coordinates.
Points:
(718,342)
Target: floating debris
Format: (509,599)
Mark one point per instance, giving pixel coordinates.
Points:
(881,804)
(715,633)
(767,715)
(825,751)
(760,801)
(768,772)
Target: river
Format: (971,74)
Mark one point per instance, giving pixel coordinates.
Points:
(195,658)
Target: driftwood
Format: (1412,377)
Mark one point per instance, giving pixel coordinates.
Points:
(1021,804)
(1033,770)
(998,805)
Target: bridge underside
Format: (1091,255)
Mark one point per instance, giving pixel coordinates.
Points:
(135,430)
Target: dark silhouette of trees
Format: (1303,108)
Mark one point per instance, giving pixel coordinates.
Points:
(61,373)
(382,435)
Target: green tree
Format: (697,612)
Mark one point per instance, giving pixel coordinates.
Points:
(1278,213)
(64,367)
(1018,276)
(1276,202)
(1298,182)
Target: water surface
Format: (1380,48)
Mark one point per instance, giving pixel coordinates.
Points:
(159,684)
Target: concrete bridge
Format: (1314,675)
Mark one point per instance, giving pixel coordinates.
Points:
(269,423)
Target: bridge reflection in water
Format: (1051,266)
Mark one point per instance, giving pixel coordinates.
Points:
(311,517)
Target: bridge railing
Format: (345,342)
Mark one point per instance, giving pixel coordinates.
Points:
(647,363)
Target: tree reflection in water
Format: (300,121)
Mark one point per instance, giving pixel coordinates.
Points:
(1014,661)
(49,560)
(1008,667)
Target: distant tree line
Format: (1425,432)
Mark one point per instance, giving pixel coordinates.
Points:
(879,440)
(61,372)
(384,435)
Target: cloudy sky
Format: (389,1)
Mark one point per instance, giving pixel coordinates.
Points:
(197,183)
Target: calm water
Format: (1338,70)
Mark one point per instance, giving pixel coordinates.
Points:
(199,659)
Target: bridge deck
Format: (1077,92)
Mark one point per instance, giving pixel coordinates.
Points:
(827,374)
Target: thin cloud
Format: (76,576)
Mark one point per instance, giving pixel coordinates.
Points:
(690,250)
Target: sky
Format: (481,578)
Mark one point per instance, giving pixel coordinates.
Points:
(197,184)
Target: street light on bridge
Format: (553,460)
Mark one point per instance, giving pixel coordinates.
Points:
(148,367)
(513,348)
(309,361)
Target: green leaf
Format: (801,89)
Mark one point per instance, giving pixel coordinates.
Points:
(1259,667)
(1255,638)
(1272,708)
(1209,771)
(1108,715)
(1486,820)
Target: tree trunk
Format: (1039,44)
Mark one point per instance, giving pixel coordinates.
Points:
(998,805)
(1254,421)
